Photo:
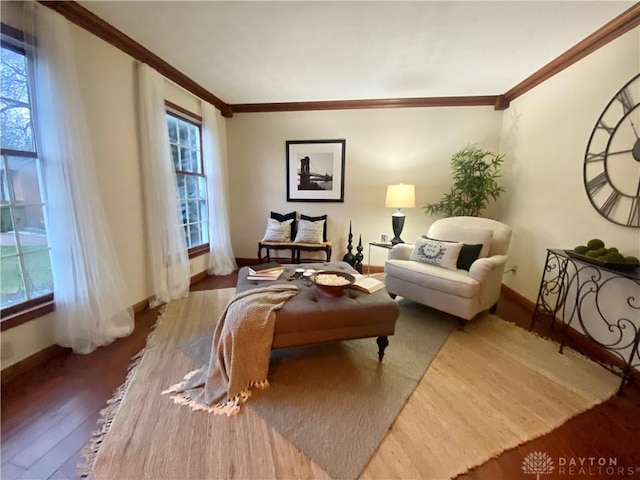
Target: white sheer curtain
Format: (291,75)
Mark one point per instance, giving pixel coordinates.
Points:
(168,258)
(221,258)
(89,290)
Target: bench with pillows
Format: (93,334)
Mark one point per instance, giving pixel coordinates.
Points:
(287,232)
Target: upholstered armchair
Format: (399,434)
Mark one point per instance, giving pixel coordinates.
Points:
(456,268)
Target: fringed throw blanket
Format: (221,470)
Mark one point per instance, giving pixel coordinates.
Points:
(239,353)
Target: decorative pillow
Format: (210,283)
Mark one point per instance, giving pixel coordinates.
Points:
(434,252)
(468,254)
(278,231)
(283,218)
(309,232)
(317,219)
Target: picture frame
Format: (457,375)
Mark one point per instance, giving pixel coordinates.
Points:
(315,170)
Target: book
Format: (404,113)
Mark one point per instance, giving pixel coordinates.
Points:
(367,284)
(265,267)
(270,275)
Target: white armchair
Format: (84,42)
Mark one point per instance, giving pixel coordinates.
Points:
(456,291)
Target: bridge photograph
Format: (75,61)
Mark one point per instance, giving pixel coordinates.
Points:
(315,170)
(316,174)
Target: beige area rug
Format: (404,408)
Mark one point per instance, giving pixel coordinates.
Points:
(491,387)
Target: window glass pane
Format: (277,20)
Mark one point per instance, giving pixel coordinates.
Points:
(194,138)
(12,289)
(195,235)
(39,277)
(172,123)
(192,209)
(15,111)
(195,162)
(183,128)
(181,185)
(192,186)
(185,159)
(202,189)
(175,156)
(187,236)
(205,232)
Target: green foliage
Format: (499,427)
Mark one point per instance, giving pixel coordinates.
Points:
(474,173)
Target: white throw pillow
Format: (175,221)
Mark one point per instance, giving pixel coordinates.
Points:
(434,252)
(309,232)
(278,231)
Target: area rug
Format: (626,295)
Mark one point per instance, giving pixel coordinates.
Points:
(491,387)
(321,396)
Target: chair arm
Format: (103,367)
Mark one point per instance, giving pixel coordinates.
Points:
(482,267)
(401,251)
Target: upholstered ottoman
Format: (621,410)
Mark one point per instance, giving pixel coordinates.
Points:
(311,317)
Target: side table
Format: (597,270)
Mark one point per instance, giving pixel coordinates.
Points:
(387,245)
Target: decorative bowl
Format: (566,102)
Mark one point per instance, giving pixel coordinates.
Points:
(321,279)
(623,267)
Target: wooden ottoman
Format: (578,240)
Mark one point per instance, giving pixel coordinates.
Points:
(311,317)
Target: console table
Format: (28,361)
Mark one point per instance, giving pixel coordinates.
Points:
(576,293)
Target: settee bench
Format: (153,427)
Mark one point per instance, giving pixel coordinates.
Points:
(296,248)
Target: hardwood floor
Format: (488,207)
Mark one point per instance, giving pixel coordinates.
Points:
(49,414)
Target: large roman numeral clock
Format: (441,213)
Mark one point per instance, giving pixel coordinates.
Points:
(612,161)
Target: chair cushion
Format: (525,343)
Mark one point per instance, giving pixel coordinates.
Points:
(454,282)
(434,252)
(277,231)
(309,232)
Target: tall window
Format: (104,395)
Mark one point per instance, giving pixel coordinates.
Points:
(25,268)
(186,152)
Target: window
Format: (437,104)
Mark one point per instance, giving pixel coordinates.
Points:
(25,267)
(186,153)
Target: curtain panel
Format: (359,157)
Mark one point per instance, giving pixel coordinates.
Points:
(168,258)
(221,258)
(89,290)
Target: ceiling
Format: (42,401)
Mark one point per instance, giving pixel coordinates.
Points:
(266,52)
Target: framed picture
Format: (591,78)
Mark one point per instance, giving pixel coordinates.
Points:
(315,170)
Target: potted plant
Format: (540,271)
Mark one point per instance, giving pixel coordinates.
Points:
(474,172)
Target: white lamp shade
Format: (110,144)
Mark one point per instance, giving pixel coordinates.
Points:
(401,196)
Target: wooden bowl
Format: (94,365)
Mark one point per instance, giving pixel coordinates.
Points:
(331,290)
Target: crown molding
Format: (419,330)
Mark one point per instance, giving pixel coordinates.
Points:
(76,13)
(474,101)
(626,21)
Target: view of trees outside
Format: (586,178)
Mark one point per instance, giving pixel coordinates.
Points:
(25,266)
(184,138)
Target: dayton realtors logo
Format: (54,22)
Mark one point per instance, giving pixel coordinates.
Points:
(539,463)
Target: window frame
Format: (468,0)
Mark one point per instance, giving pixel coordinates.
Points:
(14,315)
(196,120)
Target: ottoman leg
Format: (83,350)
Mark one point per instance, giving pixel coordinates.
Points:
(382,344)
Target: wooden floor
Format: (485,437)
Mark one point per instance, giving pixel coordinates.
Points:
(49,414)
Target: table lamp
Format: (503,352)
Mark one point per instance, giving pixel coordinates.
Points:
(399,196)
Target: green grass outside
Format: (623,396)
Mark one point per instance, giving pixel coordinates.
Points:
(39,276)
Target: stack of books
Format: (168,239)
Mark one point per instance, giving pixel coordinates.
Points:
(265,271)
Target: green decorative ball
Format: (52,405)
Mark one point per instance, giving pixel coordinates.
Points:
(581,249)
(592,254)
(613,250)
(614,257)
(632,260)
(595,244)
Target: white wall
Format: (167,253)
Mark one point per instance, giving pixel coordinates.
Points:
(383,146)
(545,134)
(108,89)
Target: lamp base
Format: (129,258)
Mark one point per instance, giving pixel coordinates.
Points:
(397,222)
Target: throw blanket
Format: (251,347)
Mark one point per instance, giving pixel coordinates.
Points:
(239,353)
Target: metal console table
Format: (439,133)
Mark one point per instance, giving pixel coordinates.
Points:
(573,291)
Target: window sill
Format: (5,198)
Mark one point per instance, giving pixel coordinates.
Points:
(25,312)
(199,250)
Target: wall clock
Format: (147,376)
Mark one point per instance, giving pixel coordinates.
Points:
(611,170)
